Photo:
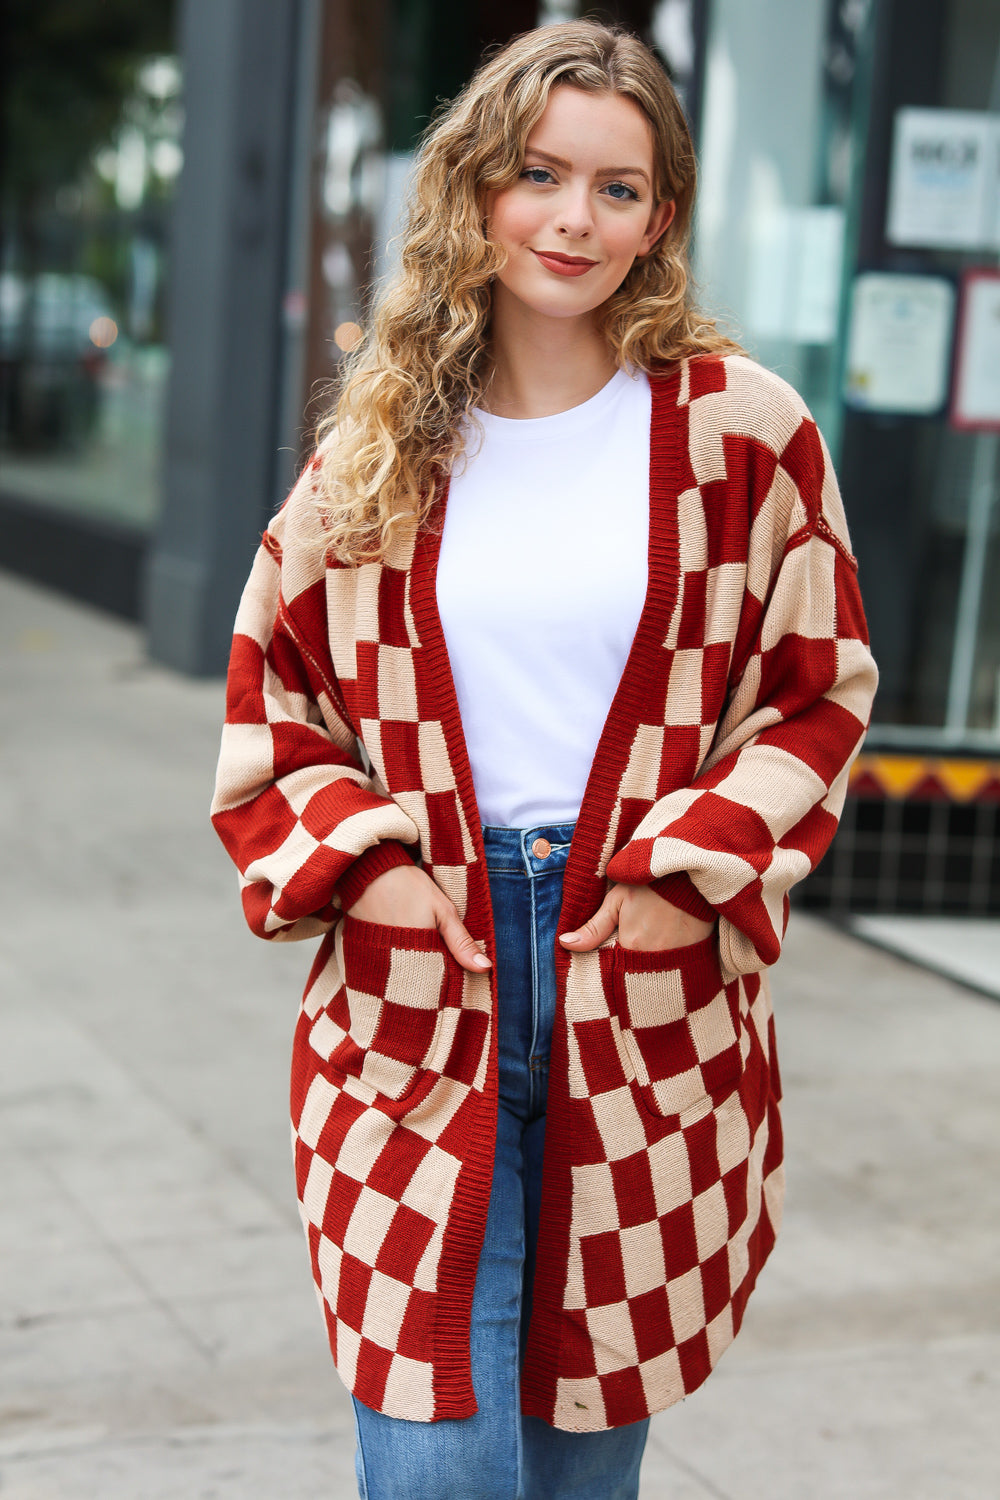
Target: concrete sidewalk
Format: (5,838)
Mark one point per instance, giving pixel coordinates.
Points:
(962,948)
(159,1336)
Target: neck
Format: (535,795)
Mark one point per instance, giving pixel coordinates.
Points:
(543,366)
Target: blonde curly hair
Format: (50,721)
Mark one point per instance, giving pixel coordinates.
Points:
(425,362)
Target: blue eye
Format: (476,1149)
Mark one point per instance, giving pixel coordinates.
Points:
(621,192)
(537,174)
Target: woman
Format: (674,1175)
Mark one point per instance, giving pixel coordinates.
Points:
(543,693)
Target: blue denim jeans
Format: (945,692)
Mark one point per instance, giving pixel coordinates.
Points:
(498,1454)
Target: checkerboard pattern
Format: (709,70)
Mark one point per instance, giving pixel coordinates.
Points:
(382,1126)
(678,1024)
(675,1173)
(718,779)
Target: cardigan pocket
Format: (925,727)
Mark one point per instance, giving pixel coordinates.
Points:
(680,1025)
(396,981)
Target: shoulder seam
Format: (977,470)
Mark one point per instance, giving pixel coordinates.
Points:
(826,531)
(821,529)
(330,686)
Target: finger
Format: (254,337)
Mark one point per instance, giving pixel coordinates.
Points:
(600,926)
(461,944)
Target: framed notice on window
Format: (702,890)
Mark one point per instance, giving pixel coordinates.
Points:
(975,402)
(943,183)
(899,343)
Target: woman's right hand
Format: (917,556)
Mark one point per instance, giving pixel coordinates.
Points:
(407,897)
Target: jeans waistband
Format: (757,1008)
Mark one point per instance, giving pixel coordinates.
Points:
(528,851)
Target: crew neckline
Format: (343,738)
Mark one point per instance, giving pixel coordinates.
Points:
(574,418)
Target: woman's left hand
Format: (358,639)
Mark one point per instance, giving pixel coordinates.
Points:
(643,919)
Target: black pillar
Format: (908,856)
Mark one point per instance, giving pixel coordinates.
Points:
(228,274)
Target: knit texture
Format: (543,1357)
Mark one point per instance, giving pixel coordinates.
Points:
(719,777)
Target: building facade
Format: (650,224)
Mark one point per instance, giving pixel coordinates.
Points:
(169,333)
(849,226)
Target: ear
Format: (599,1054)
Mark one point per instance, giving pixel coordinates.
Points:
(660,221)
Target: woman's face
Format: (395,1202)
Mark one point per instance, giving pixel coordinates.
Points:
(582,208)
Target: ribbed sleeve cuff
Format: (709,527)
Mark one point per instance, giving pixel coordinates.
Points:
(680,890)
(368,866)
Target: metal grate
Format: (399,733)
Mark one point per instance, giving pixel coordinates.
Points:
(910,856)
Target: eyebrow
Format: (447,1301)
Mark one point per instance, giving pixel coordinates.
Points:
(559,161)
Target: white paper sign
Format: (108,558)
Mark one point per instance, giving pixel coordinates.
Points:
(793,274)
(898,343)
(977,373)
(943,184)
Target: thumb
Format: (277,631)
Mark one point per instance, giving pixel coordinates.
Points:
(461,944)
(600,927)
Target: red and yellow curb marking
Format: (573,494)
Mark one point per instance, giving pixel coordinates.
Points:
(920,778)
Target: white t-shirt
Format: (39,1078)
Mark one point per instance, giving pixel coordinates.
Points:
(540,584)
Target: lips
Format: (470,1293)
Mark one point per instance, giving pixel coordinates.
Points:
(564,265)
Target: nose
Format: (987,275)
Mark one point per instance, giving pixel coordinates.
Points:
(574,215)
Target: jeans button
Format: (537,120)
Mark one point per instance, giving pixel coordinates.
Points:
(541,848)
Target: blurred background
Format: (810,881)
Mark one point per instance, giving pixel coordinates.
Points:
(197,198)
(197,201)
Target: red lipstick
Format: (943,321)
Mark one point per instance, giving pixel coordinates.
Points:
(564,265)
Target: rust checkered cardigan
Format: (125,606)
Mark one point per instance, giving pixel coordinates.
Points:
(719,778)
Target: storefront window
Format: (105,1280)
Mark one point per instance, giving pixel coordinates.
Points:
(92,133)
(775,180)
(923,487)
(842,260)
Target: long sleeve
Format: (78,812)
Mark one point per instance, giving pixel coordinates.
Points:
(293,805)
(764,806)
